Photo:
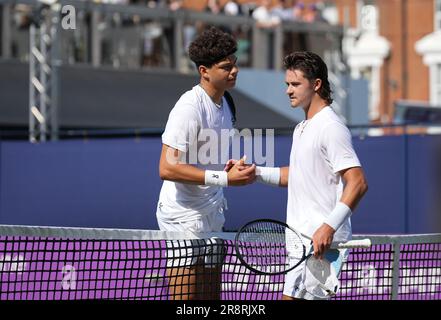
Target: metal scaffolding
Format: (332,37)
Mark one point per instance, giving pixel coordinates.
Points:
(43,73)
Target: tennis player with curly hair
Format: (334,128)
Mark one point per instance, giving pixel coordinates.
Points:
(191,197)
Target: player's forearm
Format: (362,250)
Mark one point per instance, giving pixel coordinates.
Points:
(284,173)
(173,169)
(184,173)
(354,191)
(170,168)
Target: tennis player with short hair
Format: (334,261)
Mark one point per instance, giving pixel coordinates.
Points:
(191,197)
(325,180)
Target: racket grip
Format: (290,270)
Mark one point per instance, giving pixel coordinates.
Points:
(363,243)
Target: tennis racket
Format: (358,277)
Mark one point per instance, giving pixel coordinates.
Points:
(271,247)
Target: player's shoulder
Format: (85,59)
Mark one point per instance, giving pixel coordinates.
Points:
(331,120)
(328,114)
(190,96)
(332,126)
(189,101)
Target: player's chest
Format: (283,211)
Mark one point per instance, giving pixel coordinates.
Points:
(215,119)
(306,149)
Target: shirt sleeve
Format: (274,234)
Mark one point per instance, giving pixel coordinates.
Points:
(182,127)
(337,147)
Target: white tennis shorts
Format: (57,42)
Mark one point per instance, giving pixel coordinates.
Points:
(300,284)
(186,253)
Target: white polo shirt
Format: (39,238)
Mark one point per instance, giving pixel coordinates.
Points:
(322,146)
(194,127)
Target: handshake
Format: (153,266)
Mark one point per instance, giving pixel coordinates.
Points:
(239,174)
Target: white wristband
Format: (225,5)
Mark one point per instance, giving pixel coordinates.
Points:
(338,216)
(216,178)
(268,175)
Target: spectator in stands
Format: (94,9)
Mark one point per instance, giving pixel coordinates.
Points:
(232,8)
(264,16)
(174,5)
(213,6)
(152,44)
(243,46)
(114,1)
(284,10)
(299,10)
(22,16)
(152,3)
(313,14)
(248,8)
(188,33)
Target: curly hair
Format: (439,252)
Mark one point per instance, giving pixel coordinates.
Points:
(212,46)
(313,67)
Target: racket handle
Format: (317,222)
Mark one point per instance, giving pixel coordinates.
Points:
(363,243)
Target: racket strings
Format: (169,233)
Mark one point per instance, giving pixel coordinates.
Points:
(269,247)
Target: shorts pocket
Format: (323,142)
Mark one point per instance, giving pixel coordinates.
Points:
(199,225)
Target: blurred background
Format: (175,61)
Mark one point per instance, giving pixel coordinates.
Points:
(86,88)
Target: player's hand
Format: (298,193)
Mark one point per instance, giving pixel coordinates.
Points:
(241,174)
(230,163)
(322,239)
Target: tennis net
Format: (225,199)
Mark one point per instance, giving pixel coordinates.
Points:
(56,263)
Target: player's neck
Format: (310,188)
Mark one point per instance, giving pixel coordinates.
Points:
(213,93)
(317,105)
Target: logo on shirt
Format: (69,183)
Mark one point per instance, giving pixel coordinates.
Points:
(215,176)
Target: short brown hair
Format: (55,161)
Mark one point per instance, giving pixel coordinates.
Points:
(313,67)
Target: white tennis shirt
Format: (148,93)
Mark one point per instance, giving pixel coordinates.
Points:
(321,147)
(195,127)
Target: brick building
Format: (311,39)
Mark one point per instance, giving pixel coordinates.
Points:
(396,45)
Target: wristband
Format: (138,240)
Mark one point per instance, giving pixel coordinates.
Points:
(338,216)
(216,178)
(268,175)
